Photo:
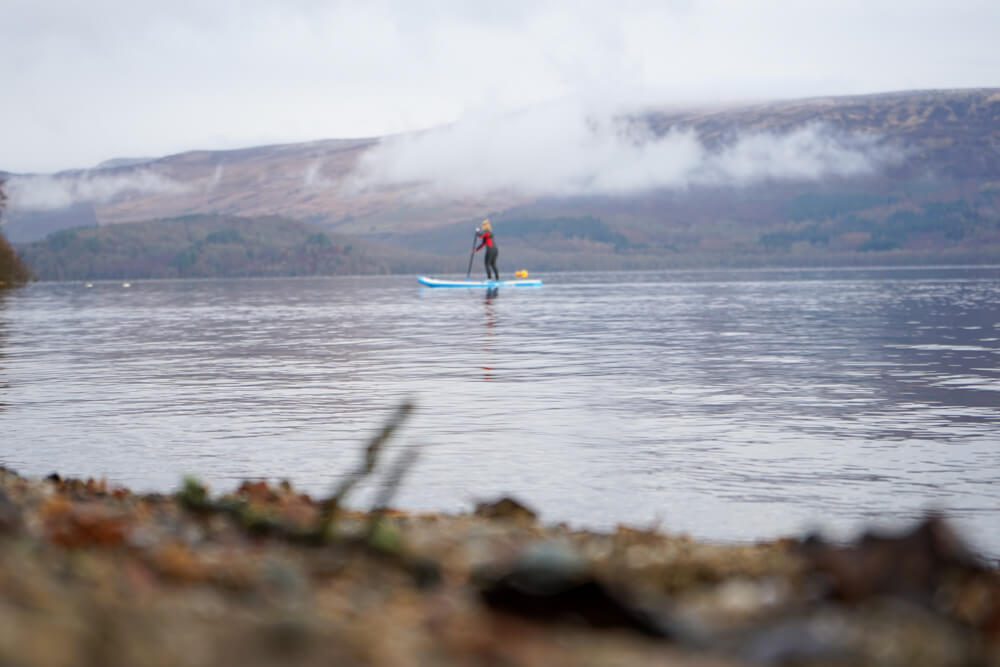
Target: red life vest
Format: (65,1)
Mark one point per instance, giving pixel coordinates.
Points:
(487,239)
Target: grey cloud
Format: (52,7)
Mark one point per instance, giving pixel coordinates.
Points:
(111,78)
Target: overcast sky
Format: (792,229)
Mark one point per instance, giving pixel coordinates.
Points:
(86,81)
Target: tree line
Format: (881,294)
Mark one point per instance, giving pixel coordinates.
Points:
(212,246)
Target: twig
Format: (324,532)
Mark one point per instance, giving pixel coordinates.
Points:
(332,505)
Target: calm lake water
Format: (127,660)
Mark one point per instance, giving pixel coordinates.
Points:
(730,405)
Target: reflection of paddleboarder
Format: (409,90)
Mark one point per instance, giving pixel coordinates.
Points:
(485,232)
(491,294)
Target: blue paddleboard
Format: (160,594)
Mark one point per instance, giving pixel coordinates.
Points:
(434,282)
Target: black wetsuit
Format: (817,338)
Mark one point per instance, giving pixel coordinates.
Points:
(491,254)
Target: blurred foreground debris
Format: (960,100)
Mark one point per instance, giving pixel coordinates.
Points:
(928,566)
(94,575)
(505,508)
(549,582)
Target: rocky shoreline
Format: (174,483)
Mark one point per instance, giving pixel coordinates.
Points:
(95,575)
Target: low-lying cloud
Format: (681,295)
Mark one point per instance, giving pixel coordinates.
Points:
(51,192)
(552,152)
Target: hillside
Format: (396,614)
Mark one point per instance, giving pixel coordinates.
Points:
(900,177)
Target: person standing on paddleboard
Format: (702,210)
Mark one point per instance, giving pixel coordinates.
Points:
(485,232)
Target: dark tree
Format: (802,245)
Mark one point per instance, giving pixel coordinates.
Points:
(13,271)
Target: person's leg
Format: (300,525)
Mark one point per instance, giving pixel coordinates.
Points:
(491,256)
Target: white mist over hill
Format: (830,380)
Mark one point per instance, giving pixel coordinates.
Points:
(552,150)
(561,150)
(50,192)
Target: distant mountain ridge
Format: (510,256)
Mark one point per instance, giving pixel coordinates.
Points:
(116,163)
(940,197)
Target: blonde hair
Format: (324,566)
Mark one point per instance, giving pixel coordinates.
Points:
(486,224)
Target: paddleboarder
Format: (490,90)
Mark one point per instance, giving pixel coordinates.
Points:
(485,232)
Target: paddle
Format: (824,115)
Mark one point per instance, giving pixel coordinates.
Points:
(474,239)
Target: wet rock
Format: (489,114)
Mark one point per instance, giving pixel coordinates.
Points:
(550,582)
(505,508)
(799,641)
(914,564)
(11,521)
(886,634)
